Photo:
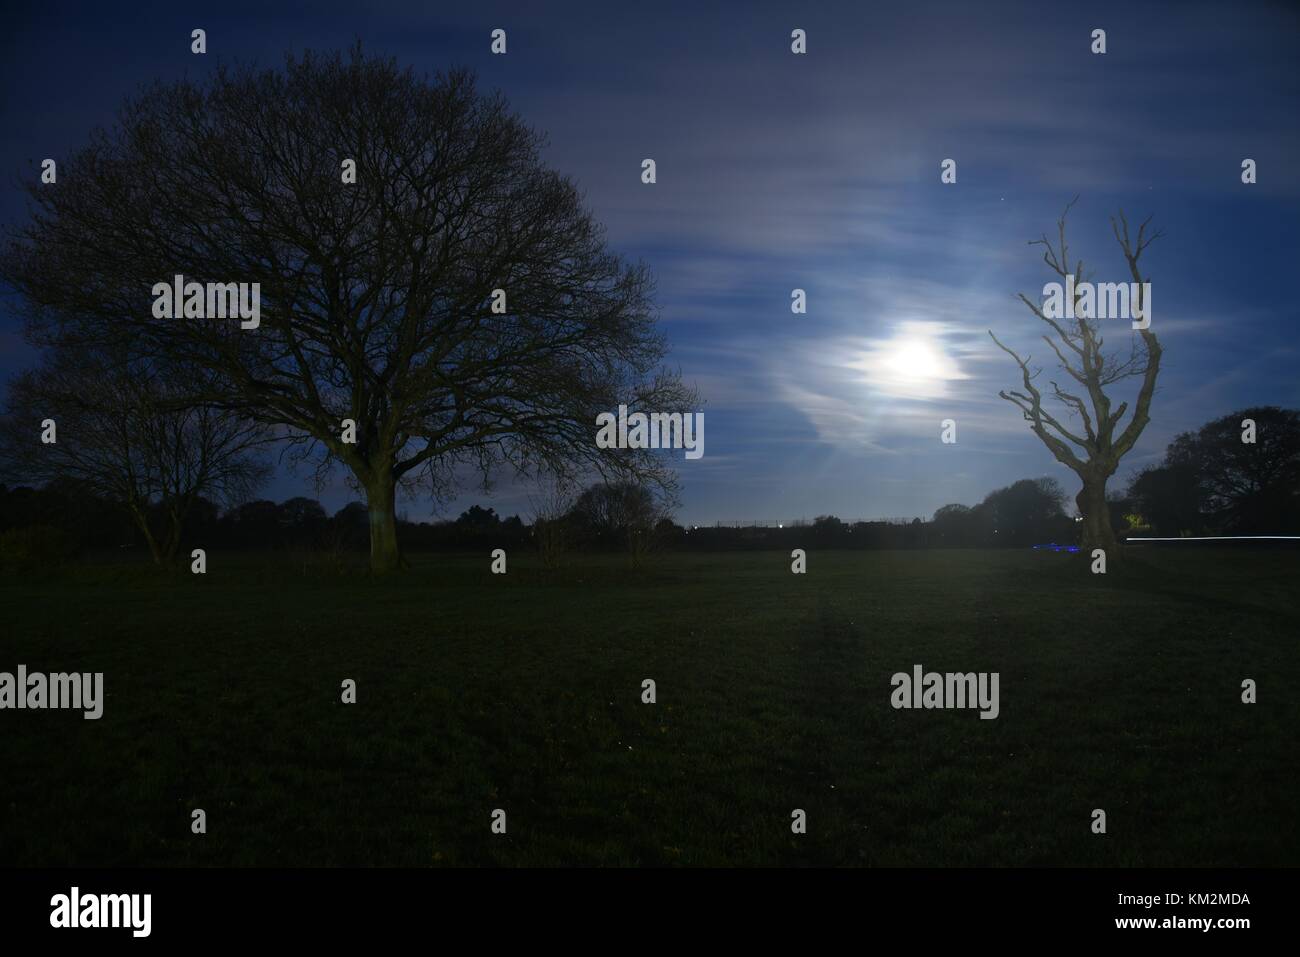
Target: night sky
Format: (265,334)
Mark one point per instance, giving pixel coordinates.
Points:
(822,172)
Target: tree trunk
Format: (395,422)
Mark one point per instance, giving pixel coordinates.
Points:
(142,523)
(172,543)
(381,495)
(1097,532)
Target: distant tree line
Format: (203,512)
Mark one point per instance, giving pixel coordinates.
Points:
(616,518)
(1028,512)
(91,523)
(1236,475)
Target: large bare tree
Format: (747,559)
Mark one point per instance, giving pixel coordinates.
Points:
(1090,441)
(377,296)
(128,432)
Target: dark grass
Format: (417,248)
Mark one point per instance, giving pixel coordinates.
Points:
(523,692)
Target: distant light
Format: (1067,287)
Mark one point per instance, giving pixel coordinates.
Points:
(779,525)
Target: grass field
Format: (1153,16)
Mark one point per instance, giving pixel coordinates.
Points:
(523,692)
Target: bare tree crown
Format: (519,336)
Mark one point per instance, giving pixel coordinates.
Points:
(1078,346)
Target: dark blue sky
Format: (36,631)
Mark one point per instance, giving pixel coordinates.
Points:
(821,171)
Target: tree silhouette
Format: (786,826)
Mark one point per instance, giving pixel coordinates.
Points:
(612,512)
(377,295)
(1078,346)
(1248,487)
(1027,512)
(125,431)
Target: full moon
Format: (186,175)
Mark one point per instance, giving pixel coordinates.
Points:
(914,359)
(911,364)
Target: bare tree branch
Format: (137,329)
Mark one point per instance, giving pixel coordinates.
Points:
(1079,351)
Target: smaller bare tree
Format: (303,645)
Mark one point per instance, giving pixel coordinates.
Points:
(1078,345)
(124,430)
(551,505)
(648,539)
(623,513)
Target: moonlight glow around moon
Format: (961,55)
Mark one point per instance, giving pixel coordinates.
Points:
(911,365)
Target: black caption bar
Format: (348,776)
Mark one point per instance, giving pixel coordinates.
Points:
(136,907)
